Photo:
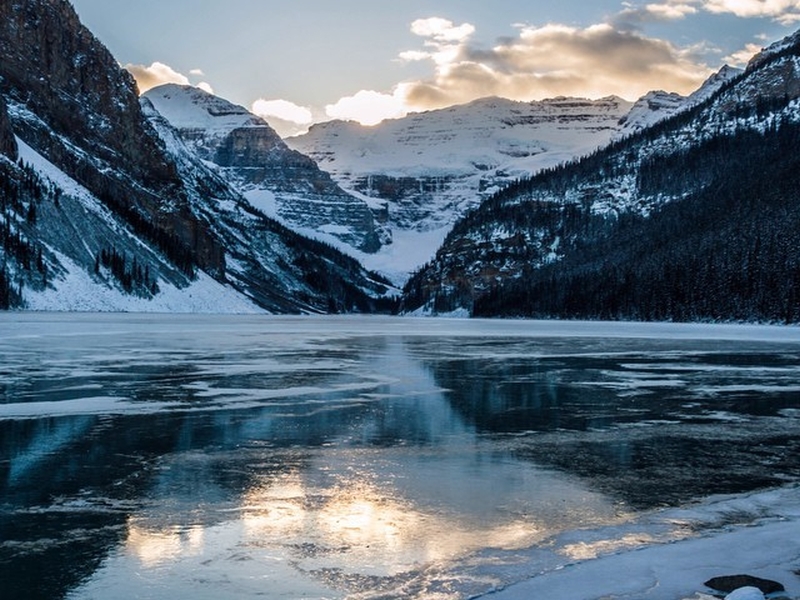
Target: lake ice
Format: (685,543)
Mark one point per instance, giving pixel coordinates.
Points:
(181,456)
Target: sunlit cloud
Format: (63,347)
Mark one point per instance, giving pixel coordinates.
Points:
(442,30)
(633,16)
(743,56)
(282,109)
(783,11)
(552,60)
(287,118)
(617,57)
(368,107)
(159,73)
(156,74)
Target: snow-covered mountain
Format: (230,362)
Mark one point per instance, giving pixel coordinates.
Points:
(656,106)
(694,217)
(280,182)
(102,207)
(423,172)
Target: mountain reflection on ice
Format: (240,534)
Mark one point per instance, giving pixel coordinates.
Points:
(239,457)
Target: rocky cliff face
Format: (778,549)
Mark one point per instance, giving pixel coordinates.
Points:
(106,208)
(280,182)
(69,98)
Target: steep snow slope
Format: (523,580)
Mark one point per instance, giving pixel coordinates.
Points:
(248,154)
(73,230)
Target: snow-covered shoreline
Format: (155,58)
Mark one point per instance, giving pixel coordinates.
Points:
(757,534)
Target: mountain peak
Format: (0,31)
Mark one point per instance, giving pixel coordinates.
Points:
(790,41)
(190,107)
(714,83)
(252,157)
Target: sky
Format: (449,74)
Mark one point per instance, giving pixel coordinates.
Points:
(300,62)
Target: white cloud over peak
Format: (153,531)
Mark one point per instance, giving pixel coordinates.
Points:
(205,86)
(159,73)
(368,107)
(283,109)
(156,74)
(741,57)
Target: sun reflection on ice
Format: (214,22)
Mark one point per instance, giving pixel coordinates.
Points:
(364,527)
(154,548)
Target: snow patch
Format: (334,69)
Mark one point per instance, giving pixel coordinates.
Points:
(77,291)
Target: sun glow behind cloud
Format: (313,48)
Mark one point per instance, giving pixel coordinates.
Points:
(548,60)
(283,109)
(538,62)
(368,107)
(618,56)
(159,73)
(615,57)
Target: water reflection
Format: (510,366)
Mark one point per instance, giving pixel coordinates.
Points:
(218,457)
(164,546)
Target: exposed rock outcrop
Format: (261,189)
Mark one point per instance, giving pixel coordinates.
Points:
(69,98)
(256,161)
(730,583)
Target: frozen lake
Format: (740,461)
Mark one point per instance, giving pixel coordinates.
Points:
(164,457)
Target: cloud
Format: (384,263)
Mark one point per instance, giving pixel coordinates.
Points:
(158,74)
(616,57)
(442,31)
(205,86)
(552,60)
(154,75)
(633,17)
(368,107)
(783,11)
(743,56)
(284,110)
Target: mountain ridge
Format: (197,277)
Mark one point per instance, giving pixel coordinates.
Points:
(424,171)
(563,222)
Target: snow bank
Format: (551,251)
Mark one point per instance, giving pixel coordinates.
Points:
(766,546)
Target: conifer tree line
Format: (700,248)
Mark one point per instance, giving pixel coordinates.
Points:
(21,189)
(131,275)
(181,255)
(728,252)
